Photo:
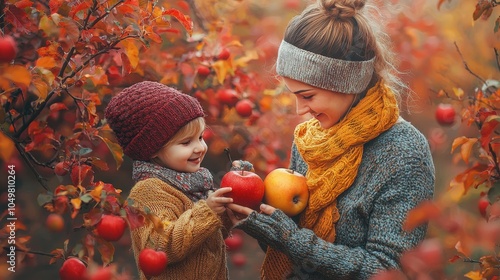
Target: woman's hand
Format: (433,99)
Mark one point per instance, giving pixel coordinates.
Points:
(217,201)
(237,213)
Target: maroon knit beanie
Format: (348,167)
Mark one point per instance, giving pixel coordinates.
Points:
(147,114)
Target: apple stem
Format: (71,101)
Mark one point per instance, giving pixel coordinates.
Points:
(226,150)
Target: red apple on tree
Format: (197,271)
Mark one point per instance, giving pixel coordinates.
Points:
(8,49)
(203,70)
(73,269)
(286,190)
(224,54)
(238,259)
(483,204)
(244,108)
(445,114)
(152,262)
(111,227)
(228,97)
(247,188)
(234,241)
(54,222)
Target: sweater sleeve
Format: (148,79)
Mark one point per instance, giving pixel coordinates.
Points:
(186,228)
(386,240)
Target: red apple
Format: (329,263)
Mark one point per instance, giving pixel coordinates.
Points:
(103,273)
(111,227)
(483,204)
(8,49)
(445,114)
(224,54)
(228,97)
(234,241)
(203,70)
(239,259)
(54,222)
(152,262)
(73,269)
(247,188)
(244,108)
(286,190)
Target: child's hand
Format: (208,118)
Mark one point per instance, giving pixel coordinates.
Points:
(217,201)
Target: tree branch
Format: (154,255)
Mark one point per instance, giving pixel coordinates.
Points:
(467,66)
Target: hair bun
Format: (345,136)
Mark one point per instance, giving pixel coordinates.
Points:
(342,9)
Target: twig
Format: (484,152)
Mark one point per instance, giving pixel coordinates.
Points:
(24,155)
(494,155)
(196,15)
(496,56)
(467,66)
(31,252)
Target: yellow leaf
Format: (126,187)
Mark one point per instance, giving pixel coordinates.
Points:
(76,202)
(132,52)
(458,141)
(18,74)
(220,67)
(249,56)
(96,192)
(459,93)
(40,88)
(466,149)
(46,62)
(474,275)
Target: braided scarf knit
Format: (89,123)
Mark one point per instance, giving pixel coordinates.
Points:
(194,185)
(333,157)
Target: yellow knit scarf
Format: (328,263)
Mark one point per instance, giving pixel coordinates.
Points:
(333,157)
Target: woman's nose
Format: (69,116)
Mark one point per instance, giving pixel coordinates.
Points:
(302,109)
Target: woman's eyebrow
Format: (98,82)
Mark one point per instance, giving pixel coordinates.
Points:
(300,91)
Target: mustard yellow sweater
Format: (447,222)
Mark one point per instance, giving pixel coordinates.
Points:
(193,237)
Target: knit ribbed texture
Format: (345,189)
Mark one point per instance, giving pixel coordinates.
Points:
(146,115)
(350,77)
(192,238)
(395,175)
(334,156)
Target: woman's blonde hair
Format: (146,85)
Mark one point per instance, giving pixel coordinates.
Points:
(347,30)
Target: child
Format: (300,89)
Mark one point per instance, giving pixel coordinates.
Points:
(161,129)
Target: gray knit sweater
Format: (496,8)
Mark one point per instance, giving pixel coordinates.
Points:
(396,174)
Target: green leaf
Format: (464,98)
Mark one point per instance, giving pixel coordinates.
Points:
(44,199)
(86,198)
(494,192)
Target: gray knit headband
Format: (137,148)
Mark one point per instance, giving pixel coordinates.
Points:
(324,72)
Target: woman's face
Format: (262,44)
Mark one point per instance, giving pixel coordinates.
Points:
(328,107)
(184,154)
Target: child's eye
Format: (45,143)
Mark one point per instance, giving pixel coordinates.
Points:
(307,96)
(186,142)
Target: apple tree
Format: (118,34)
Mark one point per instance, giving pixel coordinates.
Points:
(61,62)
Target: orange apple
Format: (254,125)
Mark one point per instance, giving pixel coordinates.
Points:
(286,190)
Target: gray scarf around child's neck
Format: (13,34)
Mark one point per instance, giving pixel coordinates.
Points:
(195,185)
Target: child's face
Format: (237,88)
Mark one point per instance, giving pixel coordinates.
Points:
(184,154)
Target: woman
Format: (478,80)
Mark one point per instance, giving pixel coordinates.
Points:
(366,167)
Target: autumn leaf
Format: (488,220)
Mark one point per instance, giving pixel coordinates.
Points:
(474,275)
(481,7)
(107,250)
(488,128)
(466,145)
(17,74)
(182,18)
(423,213)
(131,51)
